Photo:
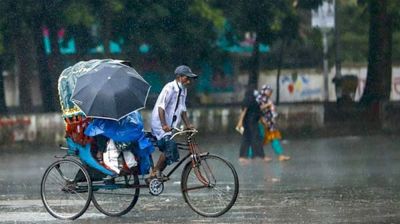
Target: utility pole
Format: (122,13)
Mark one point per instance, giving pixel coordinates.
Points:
(338,59)
(324,19)
(325,63)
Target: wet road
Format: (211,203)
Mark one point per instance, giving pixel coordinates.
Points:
(331,180)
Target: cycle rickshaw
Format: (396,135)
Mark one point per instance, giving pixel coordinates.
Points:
(209,184)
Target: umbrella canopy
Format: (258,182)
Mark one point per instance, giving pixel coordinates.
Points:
(110,91)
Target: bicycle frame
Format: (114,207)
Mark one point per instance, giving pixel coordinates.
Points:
(85,156)
(200,177)
(193,153)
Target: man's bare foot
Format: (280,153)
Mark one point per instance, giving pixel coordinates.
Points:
(244,161)
(283,158)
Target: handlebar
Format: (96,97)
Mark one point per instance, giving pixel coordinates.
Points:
(190,132)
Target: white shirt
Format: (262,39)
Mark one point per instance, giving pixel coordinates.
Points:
(167,101)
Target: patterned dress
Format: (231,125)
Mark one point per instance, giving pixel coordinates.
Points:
(269,114)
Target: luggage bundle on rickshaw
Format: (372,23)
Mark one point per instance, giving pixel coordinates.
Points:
(100,100)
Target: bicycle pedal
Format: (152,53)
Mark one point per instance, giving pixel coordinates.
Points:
(109,180)
(203,154)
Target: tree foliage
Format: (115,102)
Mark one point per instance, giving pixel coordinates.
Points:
(270,20)
(181,32)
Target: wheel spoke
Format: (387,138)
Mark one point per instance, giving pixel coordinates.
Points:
(196,188)
(62,197)
(219,194)
(119,198)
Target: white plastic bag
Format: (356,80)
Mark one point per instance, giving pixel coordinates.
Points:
(129,158)
(110,157)
(240,130)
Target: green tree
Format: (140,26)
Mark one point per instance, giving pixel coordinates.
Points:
(23,24)
(36,22)
(353,32)
(270,20)
(80,19)
(175,31)
(47,14)
(106,13)
(141,22)
(384,15)
(17,32)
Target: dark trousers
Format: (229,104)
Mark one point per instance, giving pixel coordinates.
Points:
(170,149)
(251,137)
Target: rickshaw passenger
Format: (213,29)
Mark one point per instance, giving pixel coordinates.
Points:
(128,129)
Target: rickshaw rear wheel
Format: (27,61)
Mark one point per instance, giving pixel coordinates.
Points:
(66,189)
(117,196)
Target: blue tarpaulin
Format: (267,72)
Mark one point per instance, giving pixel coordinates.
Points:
(128,129)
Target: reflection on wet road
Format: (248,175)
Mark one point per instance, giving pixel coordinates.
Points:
(332,180)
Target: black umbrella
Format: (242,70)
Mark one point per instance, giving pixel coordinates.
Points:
(110,91)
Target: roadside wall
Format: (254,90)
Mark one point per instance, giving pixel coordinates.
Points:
(49,128)
(293,118)
(301,85)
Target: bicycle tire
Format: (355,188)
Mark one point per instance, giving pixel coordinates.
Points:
(116,199)
(66,189)
(214,190)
